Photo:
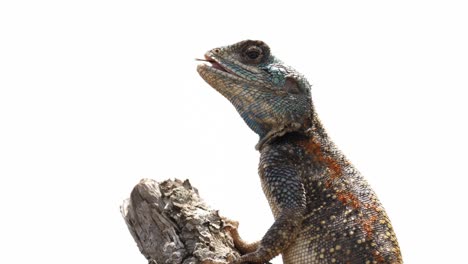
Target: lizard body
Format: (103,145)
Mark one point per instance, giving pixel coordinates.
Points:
(325,212)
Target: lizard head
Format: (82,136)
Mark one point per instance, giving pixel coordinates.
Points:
(272,98)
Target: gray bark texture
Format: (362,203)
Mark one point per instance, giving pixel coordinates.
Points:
(172,225)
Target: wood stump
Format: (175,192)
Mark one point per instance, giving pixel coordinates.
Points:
(171,224)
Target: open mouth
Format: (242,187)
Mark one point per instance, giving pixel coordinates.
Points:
(215,64)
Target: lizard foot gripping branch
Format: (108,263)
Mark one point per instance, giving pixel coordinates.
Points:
(325,212)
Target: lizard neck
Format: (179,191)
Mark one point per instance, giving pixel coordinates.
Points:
(297,133)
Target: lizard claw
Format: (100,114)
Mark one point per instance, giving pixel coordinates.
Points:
(231,227)
(229,223)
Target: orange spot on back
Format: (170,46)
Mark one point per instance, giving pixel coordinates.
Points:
(368,225)
(348,199)
(373,213)
(378,257)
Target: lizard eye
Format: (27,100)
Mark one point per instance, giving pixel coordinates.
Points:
(253,53)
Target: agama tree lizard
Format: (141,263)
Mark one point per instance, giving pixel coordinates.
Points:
(325,212)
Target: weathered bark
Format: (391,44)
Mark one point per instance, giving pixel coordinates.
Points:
(171,224)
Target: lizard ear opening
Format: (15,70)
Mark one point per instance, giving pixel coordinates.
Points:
(291,86)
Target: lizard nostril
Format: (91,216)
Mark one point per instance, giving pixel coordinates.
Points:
(216,50)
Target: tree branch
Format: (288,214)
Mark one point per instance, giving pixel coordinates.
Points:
(171,224)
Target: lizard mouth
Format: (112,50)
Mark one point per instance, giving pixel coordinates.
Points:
(216,65)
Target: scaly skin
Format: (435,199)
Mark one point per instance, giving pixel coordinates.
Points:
(325,212)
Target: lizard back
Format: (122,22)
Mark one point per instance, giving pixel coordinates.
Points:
(344,221)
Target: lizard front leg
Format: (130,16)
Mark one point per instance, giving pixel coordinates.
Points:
(285,192)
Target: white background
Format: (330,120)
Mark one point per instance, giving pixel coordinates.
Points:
(95,95)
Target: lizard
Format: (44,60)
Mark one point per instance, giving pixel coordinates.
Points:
(324,210)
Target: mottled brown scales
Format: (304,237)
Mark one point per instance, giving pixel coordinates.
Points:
(325,212)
